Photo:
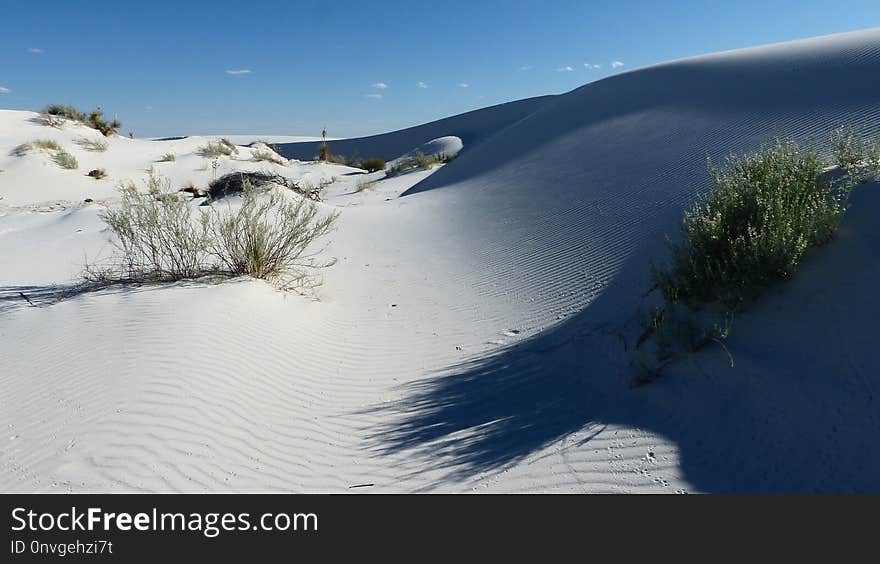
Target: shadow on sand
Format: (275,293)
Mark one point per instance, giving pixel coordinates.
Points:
(799,412)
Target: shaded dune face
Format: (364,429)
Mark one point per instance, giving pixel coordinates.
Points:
(582,194)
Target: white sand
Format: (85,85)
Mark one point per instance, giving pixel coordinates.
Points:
(477,332)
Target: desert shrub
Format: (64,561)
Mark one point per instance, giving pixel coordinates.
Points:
(221,148)
(423,161)
(753,228)
(372,165)
(50,120)
(96,120)
(235,182)
(419,161)
(269,237)
(159,237)
(94,145)
(39,144)
(21,150)
(361,186)
(65,160)
(168,158)
(156,235)
(324,153)
(66,112)
(97,173)
(857,156)
(266,154)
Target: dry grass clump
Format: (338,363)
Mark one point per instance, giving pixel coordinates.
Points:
(40,144)
(93,145)
(221,148)
(160,237)
(65,160)
(263,152)
(168,158)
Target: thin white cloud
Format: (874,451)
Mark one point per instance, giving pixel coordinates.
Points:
(616,64)
(4,90)
(423,84)
(148,108)
(35,50)
(374,96)
(564,69)
(526,67)
(592,67)
(379,85)
(235,72)
(463,85)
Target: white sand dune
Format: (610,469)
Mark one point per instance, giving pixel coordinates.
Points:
(477,332)
(471,127)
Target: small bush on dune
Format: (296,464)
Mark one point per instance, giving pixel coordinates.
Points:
(156,236)
(235,182)
(859,157)
(168,158)
(268,237)
(98,173)
(268,156)
(94,145)
(751,230)
(324,153)
(361,186)
(221,148)
(373,165)
(39,144)
(65,160)
(160,238)
(22,150)
(66,112)
(94,119)
(419,160)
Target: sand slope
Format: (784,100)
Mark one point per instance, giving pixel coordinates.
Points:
(472,127)
(477,332)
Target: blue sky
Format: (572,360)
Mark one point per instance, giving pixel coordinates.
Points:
(359,67)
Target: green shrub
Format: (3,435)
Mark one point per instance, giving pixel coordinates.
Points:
(65,160)
(156,236)
(96,120)
(94,145)
(373,165)
(67,112)
(857,156)
(221,148)
(753,227)
(751,230)
(268,237)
